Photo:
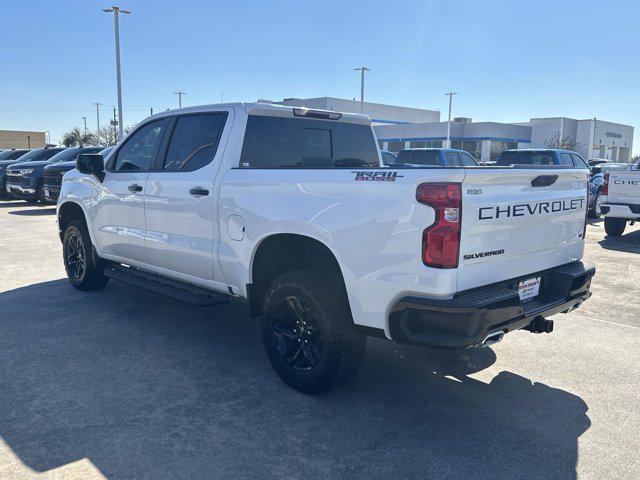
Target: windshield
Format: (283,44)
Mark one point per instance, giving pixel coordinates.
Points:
(66,155)
(526,158)
(35,154)
(12,154)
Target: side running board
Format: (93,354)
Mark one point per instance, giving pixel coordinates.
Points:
(175,289)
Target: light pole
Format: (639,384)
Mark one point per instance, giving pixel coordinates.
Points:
(48,135)
(97,104)
(450,94)
(362,70)
(84,119)
(179,93)
(116,13)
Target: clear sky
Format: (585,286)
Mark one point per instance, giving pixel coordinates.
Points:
(508,60)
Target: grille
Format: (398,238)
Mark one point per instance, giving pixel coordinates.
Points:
(13,177)
(53,180)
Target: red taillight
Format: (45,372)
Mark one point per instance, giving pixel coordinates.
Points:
(605,186)
(441,241)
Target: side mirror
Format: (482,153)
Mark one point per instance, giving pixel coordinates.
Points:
(91,164)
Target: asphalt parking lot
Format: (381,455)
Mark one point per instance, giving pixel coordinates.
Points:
(124,384)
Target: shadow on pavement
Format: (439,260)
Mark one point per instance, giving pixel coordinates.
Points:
(148,388)
(35,211)
(629,242)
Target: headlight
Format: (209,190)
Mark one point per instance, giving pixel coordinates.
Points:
(26,171)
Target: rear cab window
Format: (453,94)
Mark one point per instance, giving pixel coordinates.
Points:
(526,158)
(288,142)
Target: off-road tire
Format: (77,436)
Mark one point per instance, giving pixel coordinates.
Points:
(593,212)
(327,309)
(614,226)
(77,247)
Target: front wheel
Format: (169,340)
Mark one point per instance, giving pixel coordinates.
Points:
(308,332)
(84,268)
(614,226)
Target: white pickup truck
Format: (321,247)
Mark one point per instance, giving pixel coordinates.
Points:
(293,210)
(620,199)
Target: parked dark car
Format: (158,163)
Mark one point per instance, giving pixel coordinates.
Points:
(54,172)
(24,179)
(8,157)
(433,157)
(551,157)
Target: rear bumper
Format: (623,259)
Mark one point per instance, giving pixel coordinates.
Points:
(470,316)
(621,210)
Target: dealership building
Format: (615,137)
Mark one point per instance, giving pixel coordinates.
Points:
(398,128)
(21,139)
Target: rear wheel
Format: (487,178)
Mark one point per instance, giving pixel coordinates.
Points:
(84,268)
(308,332)
(596,211)
(614,226)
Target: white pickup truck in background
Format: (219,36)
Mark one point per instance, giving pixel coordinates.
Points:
(620,199)
(293,210)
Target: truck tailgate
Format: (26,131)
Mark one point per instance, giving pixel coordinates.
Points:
(624,187)
(516,221)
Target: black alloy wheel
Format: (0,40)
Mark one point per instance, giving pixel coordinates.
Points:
(296,334)
(76,257)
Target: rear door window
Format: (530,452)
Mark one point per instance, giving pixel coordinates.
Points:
(453,159)
(194,141)
(467,160)
(566,159)
(285,142)
(579,161)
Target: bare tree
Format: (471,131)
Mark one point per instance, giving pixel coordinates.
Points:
(496,149)
(562,142)
(107,137)
(75,138)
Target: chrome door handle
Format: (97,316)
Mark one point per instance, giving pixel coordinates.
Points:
(134,188)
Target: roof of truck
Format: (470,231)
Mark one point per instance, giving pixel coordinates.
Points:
(259,107)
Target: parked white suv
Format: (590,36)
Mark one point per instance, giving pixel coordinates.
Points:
(293,210)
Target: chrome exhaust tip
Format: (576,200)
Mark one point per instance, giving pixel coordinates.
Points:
(492,339)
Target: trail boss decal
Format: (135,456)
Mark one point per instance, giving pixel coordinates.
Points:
(376,176)
(471,256)
(523,209)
